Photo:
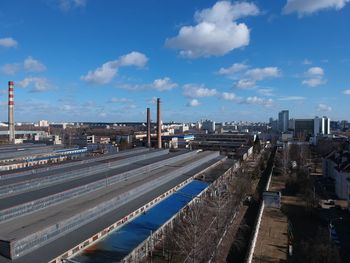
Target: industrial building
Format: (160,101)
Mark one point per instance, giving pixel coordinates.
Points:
(28,155)
(46,213)
(234,145)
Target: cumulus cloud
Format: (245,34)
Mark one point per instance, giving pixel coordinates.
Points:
(245,84)
(324,107)
(230,96)
(105,73)
(29,64)
(38,84)
(162,84)
(8,42)
(133,59)
(235,68)
(306,7)
(33,65)
(10,69)
(315,71)
(315,77)
(251,76)
(346,92)
(253,100)
(197,91)
(216,31)
(193,103)
(314,82)
(257,101)
(263,73)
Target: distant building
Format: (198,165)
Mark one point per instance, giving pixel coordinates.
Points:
(303,128)
(322,126)
(43,123)
(209,126)
(283,120)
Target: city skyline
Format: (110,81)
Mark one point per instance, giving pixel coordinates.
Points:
(80,60)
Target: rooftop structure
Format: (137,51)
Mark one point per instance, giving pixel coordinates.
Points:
(56,210)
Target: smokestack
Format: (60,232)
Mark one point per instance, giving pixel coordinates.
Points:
(148,128)
(159,128)
(11,121)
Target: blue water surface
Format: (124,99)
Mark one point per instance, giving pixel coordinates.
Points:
(122,241)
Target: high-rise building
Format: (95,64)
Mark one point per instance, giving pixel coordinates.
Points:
(303,128)
(283,120)
(209,126)
(322,125)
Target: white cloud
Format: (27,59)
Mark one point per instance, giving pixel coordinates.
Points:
(314,77)
(230,96)
(197,91)
(258,101)
(10,69)
(324,107)
(163,84)
(346,92)
(33,65)
(265,92)
(29,64)
(216,32)
(39,84)
(66,5)
(193,103)
(105,73)
(251,76)
(314,82)
(315,71)
(291,98)
(8,42)
(245,84)
(120,100)
(263,73)
(133,59)
(235,68)
(306,7)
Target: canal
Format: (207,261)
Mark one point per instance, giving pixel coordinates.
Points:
(122,241)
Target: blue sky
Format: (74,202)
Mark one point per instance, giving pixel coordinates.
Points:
(89,60)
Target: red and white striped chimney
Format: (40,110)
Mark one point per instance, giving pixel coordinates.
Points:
(11,121)
(159,126)
(148,128)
